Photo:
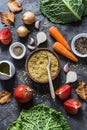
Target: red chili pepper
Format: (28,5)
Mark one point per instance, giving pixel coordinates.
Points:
(63,92)
(72,105)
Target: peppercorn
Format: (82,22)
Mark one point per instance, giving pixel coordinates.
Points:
(81,45)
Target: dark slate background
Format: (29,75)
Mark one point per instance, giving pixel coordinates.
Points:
(9,112)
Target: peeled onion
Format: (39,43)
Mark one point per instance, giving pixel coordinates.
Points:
(22,31)
(28,17)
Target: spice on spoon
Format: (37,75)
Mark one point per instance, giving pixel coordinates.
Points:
(81,45)
(17,50)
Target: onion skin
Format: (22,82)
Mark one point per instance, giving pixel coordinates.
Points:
(28,18)
(22,31)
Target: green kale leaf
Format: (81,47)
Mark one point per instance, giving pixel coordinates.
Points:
(62,11)
(40,117)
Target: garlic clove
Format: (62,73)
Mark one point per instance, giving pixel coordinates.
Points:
(66,67)
(71,77)
(31,41)
(31,47)
(37,24)
(41,38)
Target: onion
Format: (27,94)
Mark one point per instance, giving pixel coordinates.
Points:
(22,31)
(28,17)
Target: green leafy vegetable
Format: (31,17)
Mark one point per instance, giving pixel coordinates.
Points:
(85,7)
(40,117)
(62,11)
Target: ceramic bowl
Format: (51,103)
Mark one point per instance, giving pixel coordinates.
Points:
(45,61)
(17,44)
(73,44)
(11,70)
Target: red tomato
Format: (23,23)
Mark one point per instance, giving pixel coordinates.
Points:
(72,106)
(23,93)
(64,91)
(5,36)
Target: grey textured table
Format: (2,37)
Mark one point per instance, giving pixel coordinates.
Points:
(9,112)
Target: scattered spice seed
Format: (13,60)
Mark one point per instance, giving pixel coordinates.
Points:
(81,45)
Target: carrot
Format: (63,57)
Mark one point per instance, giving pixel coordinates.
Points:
(58,47)
(56,34)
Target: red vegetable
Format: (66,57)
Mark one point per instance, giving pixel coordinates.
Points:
(72,105)
(23,93)
(64,91)
(5,36)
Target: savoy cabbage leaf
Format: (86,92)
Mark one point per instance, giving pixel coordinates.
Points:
(62,11)
(40,117)
(85,7)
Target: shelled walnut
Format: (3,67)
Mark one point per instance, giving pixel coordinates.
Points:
(5,97)
(82,90)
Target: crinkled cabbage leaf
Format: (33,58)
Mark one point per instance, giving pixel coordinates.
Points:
(62,11)
(40,117)
(85,7)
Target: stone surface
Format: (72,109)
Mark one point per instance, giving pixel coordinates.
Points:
(9,112)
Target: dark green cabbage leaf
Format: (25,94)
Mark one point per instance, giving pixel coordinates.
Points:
(62,11)
(40,117)
(85,7)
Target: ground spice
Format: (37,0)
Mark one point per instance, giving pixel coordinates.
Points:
(81,45)
(17,50)
(37,65)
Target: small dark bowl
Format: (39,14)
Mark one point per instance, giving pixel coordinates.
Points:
(43,49)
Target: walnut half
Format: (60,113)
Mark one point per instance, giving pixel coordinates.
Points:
(82,90)
(14,6)
(5,97)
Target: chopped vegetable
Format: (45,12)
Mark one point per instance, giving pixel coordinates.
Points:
(5,36)
(5,97)
(40,117)
(41,38)
(63,92)
(72,105)
(23,93)
(56,34)
(66,68)
(58,47)
(71,77)
(14,6)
